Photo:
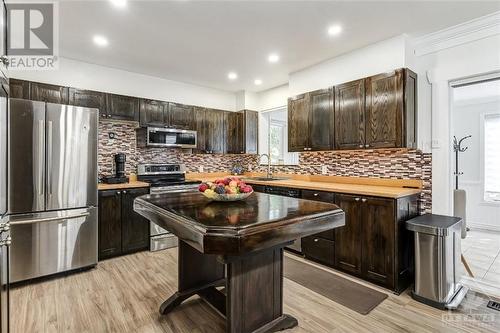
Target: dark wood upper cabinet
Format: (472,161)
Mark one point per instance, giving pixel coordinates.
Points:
(215,133)
(251,134)
(181,116)
(298,123)
(153,113)
(348,238)
(135,228)
(199,127)
(89,99)
(110,217)
(384,110)
(235,133)
(48,93)
(378,240)
(410,109)
(19,89)
(350,115)
(123,107)
(321,120)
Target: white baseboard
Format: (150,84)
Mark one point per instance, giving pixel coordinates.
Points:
(483,227)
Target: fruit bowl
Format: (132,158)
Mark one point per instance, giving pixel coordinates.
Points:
(227,197)
(227,189)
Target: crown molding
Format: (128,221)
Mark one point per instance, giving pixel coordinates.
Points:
(463,33)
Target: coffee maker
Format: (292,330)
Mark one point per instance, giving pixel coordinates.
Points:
(119,176)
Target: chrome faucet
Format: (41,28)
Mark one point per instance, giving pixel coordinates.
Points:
(269,173)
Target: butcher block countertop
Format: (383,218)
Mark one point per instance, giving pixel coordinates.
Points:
(132,184)
(378,187)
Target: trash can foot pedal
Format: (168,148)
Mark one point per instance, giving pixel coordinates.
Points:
(457,298)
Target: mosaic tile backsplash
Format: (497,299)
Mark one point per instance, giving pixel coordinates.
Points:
(380,163)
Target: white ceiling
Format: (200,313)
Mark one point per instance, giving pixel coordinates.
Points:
(201,41)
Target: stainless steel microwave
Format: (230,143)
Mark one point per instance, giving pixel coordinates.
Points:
(166,137)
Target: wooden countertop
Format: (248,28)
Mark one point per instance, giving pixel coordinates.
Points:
(132,184)
(378,187)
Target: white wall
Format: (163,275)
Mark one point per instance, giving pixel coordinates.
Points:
(370,60)
(272,98)
(94,77)
(467,120)
(477,56)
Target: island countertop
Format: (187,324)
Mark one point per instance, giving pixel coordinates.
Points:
(258,222)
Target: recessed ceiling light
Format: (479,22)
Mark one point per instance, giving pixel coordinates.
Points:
(273,58)
(100,40)
(334,30)
(257,82)
(232,76)
(119,3)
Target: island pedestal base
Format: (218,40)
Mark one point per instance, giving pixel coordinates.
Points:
(252,300)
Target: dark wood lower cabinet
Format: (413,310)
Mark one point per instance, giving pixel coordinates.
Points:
(348,244)
(135,228)
(121,230)
(319,249)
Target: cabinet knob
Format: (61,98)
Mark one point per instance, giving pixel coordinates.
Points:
(361,146)
(363,200)
(305,148)
(124,192)
(316,194)
(316,240)
(367,146)
(119,192)
(356,199)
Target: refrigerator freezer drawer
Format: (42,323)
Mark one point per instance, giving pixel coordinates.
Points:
(52,242)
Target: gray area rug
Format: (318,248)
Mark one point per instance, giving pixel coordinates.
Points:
(343,291)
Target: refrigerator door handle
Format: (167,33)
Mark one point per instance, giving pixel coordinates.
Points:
(49,157)
(50,219)
(39,156)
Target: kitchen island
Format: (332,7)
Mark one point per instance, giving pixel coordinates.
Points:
(237,246)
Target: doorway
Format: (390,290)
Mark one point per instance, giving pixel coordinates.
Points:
(475,119)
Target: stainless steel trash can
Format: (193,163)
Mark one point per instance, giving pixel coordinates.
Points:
(437,260)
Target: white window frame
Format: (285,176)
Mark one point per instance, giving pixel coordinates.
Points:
(483,158)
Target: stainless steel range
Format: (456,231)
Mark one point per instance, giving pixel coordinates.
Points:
(164,178)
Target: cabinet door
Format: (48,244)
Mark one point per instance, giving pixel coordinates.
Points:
(201,141)
(89,99)
(378,221)
(48,93)
(180,116)
(298,123)
(135,228)
(110,220)
(318,195)
(214,131)
(319,249)
(384,110)
(19,89)
(123,107)
(153,113)
(234,132)
(410,113)
(321,120)
(348,237)
(350,115)
(251,135)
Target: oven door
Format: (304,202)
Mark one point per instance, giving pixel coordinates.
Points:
(168,137)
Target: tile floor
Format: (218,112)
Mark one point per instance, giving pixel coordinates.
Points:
(481,249)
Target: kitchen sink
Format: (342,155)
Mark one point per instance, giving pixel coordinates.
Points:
(265,178)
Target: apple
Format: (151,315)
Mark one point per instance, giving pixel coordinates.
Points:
(247,189)
(233,183)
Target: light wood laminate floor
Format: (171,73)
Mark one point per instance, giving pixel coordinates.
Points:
(123,295)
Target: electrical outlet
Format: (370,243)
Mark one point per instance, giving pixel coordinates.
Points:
(200,169)
(324,169)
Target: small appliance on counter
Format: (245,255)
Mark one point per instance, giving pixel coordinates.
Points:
(119,177)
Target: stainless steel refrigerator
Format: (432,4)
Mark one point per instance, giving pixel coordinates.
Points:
(5,239)
(52,192)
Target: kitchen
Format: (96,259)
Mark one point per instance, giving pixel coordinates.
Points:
(102,248)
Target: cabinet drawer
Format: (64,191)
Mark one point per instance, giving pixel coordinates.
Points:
(319,249)
(318,195)
(329,235)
